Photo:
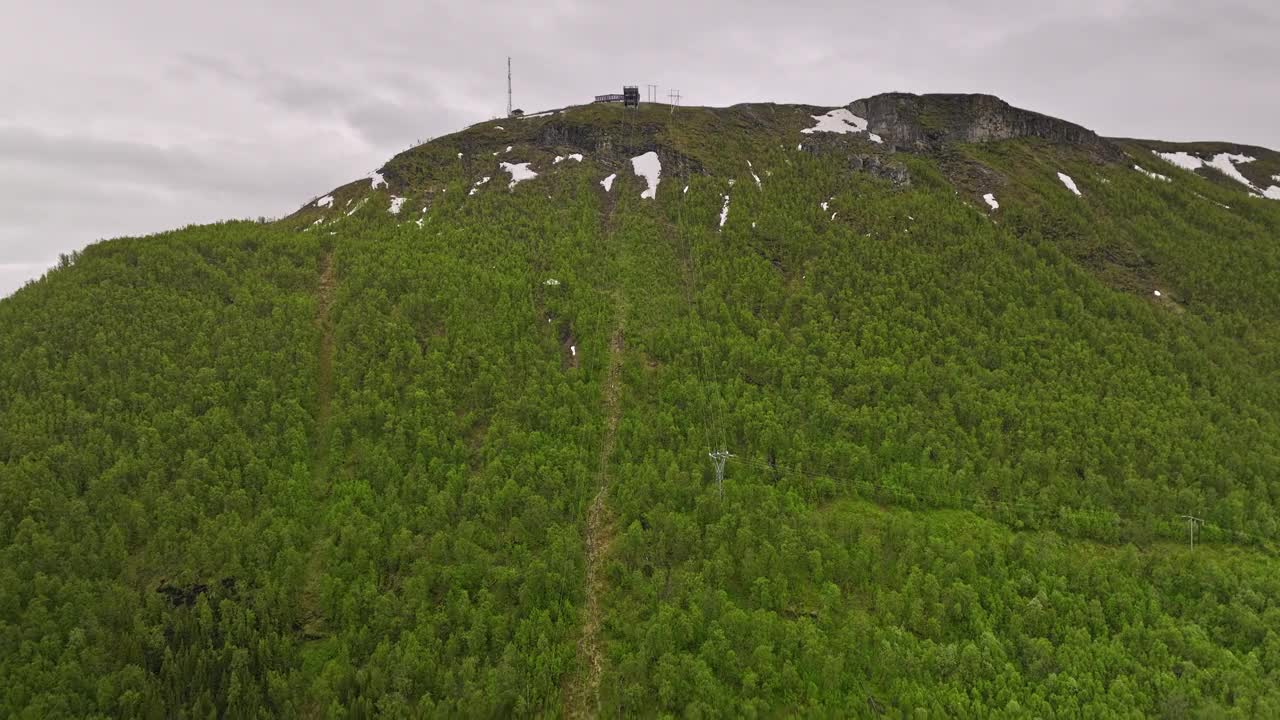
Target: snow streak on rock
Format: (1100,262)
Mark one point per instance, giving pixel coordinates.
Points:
(1152,175)
(1181,159)
(326,201)
(1225,163)
(991,200)
(608,182)
(519,172)
(648,167)
(1071,184)
(396,204)
(841,121)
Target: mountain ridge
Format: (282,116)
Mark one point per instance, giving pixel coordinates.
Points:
(448,440)
(928,124)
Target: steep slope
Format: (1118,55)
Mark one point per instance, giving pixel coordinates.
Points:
(395,455)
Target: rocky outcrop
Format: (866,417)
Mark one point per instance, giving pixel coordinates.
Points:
(928,122)
(615,143)
(880,167)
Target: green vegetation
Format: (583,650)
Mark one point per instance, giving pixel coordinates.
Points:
(346,469)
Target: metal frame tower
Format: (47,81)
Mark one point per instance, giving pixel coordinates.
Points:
(719,457)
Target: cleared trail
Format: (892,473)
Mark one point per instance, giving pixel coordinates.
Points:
(583,694)
(324,379)
(310,600)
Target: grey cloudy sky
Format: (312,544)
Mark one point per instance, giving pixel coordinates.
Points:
(135,116)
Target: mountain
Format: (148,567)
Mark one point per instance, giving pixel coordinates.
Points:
(994,402)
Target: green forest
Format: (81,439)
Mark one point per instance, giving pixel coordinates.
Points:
(453,461)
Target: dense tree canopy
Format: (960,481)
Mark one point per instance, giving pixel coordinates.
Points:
(249,470)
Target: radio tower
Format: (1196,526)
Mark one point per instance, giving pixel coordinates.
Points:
(508,86)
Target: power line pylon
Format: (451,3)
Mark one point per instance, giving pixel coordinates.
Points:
(1192,523)
(674,97)
(719,457)
(508,86)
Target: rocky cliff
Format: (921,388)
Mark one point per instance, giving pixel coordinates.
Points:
(927,122)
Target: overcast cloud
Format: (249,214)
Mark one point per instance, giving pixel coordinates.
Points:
(136,116)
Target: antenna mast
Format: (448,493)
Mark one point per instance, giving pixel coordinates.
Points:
(508,86)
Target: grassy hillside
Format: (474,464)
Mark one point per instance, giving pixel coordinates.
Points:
(452,460)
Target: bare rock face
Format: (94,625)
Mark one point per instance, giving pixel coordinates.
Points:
(881,168)
(928,122)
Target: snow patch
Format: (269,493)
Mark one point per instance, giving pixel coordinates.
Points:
(519,172)
(1152,175)
(833,216)
(459,156)
(375,179)
(498,127)
(686,190)
(608,182)
(1156,293)
(823,204)
(991,200)
(557,160)
(326,201)
(573,350)
(508,149)
(648,167)
(1071,184)
(839,120)
(551,281)
(1225,163)
(357,207)
(396,204)
(576,156)
(724,211)
(1181,159)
